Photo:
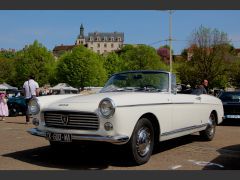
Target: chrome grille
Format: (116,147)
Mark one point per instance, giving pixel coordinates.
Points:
(71,120)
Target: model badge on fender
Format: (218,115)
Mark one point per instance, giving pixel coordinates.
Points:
(63,105)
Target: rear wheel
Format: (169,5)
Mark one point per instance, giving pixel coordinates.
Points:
(142,141)
(209,132)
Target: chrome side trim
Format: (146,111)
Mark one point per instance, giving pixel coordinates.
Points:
(119,139)
(183,129)
(153,104)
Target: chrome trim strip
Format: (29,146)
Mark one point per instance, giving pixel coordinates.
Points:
(153,104)
(183,129)
(119,139)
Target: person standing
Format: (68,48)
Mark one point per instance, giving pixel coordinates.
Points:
(202,88)
(204,85)
(3,106)
(31,90)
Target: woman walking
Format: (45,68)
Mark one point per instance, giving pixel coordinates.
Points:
(3,107)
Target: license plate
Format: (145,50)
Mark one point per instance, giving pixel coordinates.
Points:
(59,137)
(233,116)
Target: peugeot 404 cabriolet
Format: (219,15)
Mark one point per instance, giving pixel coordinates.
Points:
(135,109)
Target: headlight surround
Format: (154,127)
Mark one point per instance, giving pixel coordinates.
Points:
(107,108)
(33,107)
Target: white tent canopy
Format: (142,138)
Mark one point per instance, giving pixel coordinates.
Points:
(63,86)
(6,86)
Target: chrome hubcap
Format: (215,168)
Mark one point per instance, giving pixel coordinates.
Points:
(211,125)
(143,141)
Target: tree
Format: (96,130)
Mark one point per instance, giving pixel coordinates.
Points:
(34,59)
(140,57)
(8,54)
(112,63)
(81,68)
(209,50)
(7,70)
(234,73)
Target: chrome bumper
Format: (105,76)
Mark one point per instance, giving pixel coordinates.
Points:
(111,139)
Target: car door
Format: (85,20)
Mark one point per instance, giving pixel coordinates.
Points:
(186,113)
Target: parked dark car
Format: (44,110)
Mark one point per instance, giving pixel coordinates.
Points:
(16,105)
(231,104)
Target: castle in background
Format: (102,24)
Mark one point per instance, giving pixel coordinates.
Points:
(99,42)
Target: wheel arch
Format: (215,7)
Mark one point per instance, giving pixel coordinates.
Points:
(216,115)
(156,126)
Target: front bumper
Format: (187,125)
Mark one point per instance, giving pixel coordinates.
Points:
(120,139)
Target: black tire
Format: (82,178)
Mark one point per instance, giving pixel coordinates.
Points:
(142,142)
(13,111)
(209,132)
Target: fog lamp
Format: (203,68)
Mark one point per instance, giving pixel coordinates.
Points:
(108,126)
(35,121)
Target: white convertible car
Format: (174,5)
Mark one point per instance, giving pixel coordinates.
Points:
(135,109)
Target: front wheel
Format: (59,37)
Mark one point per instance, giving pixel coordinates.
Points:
(142,141)
(209,132)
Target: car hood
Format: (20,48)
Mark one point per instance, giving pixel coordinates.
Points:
(91,102)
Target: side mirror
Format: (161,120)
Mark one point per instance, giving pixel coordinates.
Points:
(174,91)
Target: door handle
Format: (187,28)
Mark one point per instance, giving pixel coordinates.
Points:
(198,98)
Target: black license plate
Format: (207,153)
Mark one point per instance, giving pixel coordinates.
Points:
(59,137)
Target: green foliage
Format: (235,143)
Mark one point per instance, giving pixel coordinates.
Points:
(7,54)
(141,57)
(234,73)
(34,59)
(7,70)
(112,63)
(81,68)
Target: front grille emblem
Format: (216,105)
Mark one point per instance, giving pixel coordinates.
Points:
(65,119)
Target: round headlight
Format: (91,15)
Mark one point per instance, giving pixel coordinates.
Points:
(107,108)
(33,107)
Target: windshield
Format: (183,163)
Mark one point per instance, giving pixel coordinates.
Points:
(230,96)
(138,81)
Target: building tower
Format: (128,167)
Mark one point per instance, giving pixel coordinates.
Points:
(81,38)
(81,31)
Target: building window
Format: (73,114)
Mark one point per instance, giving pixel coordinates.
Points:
(105,45)
(112,45)
(98,38)
(119,39)
(98,45)
(91,38)
(105,38)
(112,38)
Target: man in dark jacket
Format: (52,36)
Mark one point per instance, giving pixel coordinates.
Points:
(202,88)
(205,86)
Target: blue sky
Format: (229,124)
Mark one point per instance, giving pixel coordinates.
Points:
(56,27)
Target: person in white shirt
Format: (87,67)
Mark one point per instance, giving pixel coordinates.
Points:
(31,90)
